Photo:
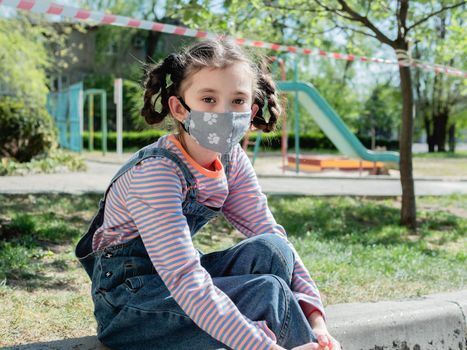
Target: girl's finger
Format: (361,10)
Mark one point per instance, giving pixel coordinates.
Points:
(308,346)
(331,343)
(323,340)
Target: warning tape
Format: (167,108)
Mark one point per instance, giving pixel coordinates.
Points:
(49,7)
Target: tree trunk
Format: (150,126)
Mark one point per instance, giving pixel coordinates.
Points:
(452,138)
(429,135)
(151,44)
(440,129)
(408,211)
(431,144)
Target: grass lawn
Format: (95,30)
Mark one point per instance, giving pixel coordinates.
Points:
(353,248)
(440,164)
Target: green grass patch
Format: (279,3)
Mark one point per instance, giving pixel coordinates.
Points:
(54,161)
(356,250)
(33,226)
(442,155)
(353,247)
(440,166)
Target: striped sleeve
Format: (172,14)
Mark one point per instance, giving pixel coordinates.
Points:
(155,201)
(246,208)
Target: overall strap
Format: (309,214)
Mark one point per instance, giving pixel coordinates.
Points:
(225,159)
(148,152)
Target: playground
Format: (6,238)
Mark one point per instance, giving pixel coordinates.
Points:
(359,176)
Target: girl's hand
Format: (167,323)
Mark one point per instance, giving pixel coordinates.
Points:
(325,340)
(324,345)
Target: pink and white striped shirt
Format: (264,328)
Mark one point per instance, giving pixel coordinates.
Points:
(147,201)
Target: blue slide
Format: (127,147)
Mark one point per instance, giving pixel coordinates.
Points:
(332,125)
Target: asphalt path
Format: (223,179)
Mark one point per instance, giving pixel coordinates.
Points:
(98,175)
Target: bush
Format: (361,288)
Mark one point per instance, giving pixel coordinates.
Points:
(138,139)
(131,139)
(26,131)
(56,160)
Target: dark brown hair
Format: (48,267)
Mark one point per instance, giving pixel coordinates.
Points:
(212,54)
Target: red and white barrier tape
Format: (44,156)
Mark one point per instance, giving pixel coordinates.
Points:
(49,7)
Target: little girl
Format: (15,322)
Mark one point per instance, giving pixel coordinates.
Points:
(151,288)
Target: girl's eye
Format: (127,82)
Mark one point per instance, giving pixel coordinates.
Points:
(209,100)
(239,101)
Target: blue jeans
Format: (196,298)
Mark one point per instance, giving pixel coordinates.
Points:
(134,309)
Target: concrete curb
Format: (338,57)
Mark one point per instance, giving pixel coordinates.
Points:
(432,322)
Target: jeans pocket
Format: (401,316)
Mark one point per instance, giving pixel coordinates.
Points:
(134,284)
(104,311)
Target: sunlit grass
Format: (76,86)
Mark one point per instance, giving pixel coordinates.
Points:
(353,247)
(442,155)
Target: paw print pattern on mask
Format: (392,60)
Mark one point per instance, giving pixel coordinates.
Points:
(213,138)
(210,118)
(192,124)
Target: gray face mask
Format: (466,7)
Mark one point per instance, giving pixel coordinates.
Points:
(218,132)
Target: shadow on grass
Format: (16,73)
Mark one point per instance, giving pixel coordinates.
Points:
(84,343)
(30,282)
(32,203)
(356,220)
(34,231)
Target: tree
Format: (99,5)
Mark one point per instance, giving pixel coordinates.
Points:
(173,12)
(23,60)
(393,17)
(439,96)
(388,23)
(25,125)
(380,114)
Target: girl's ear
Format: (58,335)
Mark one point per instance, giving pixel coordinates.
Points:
(176,109)
(254,110)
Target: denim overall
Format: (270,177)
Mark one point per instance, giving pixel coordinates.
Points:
(135,310)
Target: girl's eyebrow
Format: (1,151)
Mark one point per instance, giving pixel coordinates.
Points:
(206,90)
(211,90)
(240,92)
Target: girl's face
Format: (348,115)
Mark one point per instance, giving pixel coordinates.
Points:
(219,90)
(214,90)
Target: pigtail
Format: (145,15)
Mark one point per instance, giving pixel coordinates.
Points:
(266,92)
(156,85)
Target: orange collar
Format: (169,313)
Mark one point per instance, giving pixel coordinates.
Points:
(217,164)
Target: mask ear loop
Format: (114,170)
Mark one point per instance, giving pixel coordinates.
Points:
(187,108)
(184,104)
